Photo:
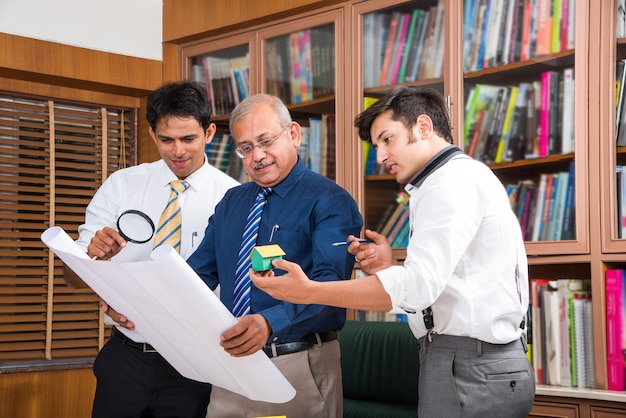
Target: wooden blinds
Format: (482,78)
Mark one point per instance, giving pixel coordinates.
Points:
(53,157)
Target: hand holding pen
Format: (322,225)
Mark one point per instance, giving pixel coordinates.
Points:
(373,253)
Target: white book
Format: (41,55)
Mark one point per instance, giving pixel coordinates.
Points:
(508,29)
(368,50)
(539,202)
(620,19)
(493,33)
(567,131)
(564,342)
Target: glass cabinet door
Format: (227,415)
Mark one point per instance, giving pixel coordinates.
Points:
(401,43)
(226,74)
(524,113)
(299,66)
(223,66)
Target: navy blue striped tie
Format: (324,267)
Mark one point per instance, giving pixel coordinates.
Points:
(241,299)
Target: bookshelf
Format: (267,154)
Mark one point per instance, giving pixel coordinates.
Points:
(592,155)
(291,60)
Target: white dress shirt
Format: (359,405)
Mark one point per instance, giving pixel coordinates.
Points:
(462,256)
(145,187)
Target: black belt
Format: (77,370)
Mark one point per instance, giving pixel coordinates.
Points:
(306,342)
(122,338)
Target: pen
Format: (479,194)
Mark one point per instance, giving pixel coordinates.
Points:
(336,244)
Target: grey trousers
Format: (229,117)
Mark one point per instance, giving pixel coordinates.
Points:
(465,377)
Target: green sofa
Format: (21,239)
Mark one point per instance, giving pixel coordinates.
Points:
(379,363)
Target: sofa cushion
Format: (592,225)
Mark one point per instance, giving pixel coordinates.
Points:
(380,365)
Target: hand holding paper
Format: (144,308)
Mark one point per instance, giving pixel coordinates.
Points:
(180,316)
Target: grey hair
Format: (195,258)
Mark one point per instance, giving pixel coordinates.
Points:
(249,105)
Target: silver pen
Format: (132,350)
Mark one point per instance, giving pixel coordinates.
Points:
(337,244)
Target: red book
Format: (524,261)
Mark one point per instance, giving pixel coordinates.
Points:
(614,322)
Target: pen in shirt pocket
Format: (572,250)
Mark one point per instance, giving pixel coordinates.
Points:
(194,234)
(274,229)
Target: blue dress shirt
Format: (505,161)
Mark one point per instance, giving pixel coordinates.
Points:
(308,212)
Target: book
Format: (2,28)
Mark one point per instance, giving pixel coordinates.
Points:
(555,113)
(568,230)
(553,343)
(507,33)
(539,206)
(483,98)
(492,34)
(544,122)
(516,141)
(536,291)
(556,225)
(398,49)
(505,132)
(400,202)
(544,27)
(493,138)
(565,290)
(470,8)
(390,43)
(408,46)
(398,224)
(614,288)
(417,47)
(474,62)
(567,131)
(557,21)
(526,26)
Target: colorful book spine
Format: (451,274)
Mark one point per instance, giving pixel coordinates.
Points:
(614,284)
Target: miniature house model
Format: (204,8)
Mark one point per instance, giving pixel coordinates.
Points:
(262,256)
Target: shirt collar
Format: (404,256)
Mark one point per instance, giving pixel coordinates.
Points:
(297,172)
(433,164)
(195,179)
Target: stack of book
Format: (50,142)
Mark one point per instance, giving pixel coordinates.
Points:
(528,120)
(545,209)
(499,32)
(560,332)
(401,47)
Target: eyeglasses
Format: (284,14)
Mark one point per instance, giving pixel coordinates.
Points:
(266,144)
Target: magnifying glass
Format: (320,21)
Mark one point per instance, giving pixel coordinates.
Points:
(135,226)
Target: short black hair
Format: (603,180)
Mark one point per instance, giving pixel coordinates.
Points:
(181,99)
(406,104)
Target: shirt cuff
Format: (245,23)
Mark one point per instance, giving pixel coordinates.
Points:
(392,279)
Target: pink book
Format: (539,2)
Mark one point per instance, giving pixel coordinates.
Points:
(544,122)
(614,359)
(397,58)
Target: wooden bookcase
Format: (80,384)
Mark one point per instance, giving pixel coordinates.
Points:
(595,245)
(292,59)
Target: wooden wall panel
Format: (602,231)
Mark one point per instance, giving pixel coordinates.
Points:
(185,20)
(50,394)
(63,65)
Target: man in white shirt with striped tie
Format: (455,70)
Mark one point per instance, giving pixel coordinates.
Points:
(133,380)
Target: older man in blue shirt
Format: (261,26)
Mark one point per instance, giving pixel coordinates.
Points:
(304,213)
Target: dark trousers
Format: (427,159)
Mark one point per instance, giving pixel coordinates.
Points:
(465,377)
(134,384)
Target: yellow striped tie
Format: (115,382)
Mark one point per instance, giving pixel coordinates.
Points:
(168,231)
